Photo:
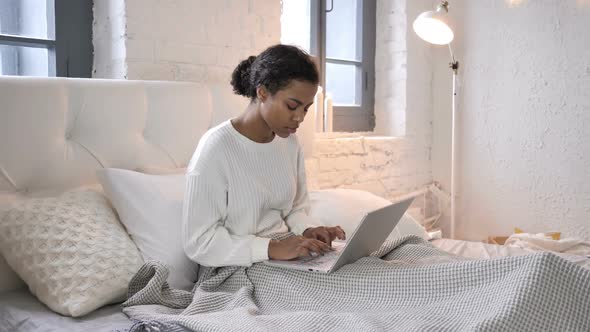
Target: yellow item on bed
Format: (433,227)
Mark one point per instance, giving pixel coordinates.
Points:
(553,235)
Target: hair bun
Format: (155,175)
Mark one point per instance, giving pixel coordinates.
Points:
(240,78)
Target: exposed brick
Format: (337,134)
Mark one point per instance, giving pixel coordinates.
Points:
(229,56)
(350,162)
(335,179)
(383,144)
(374,187)
(140,9)
(218,74)
(140,49)
(341,146)
(368,174)
(190,73)
(185,53)
(150,71)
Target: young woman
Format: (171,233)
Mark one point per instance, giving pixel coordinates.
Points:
(246,179)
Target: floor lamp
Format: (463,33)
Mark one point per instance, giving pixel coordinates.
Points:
(432,26)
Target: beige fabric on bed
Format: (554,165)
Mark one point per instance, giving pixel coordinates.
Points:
(480,250)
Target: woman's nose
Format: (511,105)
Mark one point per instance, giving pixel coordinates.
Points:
(299,116)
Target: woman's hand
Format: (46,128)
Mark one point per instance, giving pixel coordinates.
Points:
(325,234)
(295,247)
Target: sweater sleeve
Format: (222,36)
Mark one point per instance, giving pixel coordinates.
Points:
(298,219)
(205,239)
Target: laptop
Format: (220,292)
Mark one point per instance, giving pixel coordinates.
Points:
(368,236)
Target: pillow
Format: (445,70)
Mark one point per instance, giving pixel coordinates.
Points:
(8,278)
(70,250)
(346,208)
(150,207)
(161,170)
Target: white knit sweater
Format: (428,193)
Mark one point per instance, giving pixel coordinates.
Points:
(238,192)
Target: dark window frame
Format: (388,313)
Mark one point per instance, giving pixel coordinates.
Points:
(71,50)
(364,116)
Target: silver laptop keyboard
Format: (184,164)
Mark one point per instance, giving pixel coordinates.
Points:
(325,260)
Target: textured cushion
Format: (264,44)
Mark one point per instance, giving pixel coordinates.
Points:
(70,250)
(9,280)
(150,207)
(346,208)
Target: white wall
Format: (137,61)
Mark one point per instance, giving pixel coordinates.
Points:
(525,73)
(524,152)
(203,41)
(200,41)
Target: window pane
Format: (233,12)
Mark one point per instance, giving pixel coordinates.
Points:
(343,82)
(24,61)
(26,18)
(293,30)
(344,30)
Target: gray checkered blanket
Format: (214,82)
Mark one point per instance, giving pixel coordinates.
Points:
(408,285)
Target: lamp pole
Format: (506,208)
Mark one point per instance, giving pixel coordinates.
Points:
(454,65)
(432,27)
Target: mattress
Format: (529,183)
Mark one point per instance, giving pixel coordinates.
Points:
(20,311)
(480,250)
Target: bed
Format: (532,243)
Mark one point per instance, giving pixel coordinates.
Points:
(55,133)
(61,125)
(481,250)
(21,311)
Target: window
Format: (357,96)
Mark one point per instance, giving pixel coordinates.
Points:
(46,38)
(341,34)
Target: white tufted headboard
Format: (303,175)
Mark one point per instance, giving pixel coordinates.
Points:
(56,132)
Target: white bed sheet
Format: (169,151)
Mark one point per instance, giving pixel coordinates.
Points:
(20,311)
(480,250)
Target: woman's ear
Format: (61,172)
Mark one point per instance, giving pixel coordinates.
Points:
(261,93)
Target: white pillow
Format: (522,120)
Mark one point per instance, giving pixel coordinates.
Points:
(70,250)
(162,170)
(346,208)
(150,207)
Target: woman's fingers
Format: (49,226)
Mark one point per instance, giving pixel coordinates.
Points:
(325,236)
(308,247)
(337,232)
(302,251)
(312,246)
(315,246)
(341,233)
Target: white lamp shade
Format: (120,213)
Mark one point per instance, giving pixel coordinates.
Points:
(432,27)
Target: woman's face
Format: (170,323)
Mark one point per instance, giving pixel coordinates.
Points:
(286,109)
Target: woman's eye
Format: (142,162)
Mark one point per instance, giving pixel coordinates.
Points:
(291,108)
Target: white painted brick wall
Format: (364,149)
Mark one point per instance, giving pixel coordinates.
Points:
(202,41)
(385,166)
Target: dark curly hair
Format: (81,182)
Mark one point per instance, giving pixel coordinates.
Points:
(274,69)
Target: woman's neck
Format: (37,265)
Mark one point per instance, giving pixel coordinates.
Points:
(252,125)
